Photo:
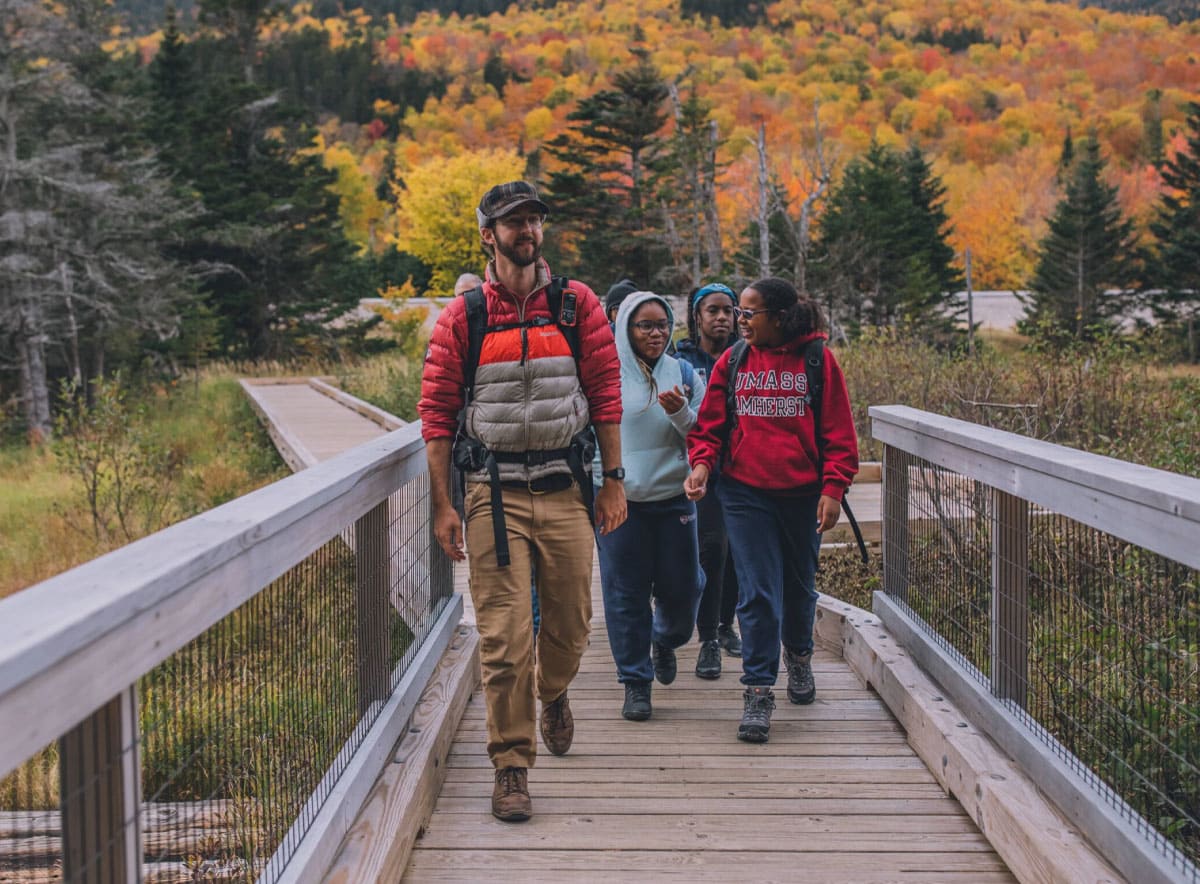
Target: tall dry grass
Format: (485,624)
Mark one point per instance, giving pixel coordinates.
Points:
(1105,398)
(215,450)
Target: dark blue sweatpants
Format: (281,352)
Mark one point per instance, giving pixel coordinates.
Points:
(654,554)
(774,542)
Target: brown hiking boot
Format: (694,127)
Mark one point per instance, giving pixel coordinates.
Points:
(510,798)
(558,725)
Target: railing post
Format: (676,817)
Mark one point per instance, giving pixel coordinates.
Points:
(895,523)
(372,614)
(1010,597)
(100,792)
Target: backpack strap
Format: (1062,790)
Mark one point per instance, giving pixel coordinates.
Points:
(687,373)
(737,355)
(564,311)
(814,373)
(476,329)
(814,384)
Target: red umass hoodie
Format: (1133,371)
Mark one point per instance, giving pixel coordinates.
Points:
(774,444)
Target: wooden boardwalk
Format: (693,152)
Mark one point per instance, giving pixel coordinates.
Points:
(836,795)
(310,421)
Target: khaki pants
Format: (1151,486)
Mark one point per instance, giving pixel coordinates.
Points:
(552,532)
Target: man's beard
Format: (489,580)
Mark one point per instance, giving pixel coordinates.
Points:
(516,257)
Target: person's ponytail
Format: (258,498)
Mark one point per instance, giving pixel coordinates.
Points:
(799,316)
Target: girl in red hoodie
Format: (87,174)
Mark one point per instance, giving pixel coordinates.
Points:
(782,479)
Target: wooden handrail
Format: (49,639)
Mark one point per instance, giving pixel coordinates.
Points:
(72,643)
(1155,509)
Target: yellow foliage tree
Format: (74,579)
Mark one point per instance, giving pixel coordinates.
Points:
(435,214)
(360,211)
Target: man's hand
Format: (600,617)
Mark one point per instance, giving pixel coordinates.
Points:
(610,506)
(447,528)
(695,486)
(672,400)
(829,510)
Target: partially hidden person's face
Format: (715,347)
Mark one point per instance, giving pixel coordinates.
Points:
(518,236)
(760,326)
(714,317)
(650,330)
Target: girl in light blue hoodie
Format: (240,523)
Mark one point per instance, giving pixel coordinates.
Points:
(650,566)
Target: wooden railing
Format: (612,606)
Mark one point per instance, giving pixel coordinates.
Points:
(347,541)
(1055,596)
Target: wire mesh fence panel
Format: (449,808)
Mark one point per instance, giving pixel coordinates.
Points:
(1092,642)
(946,558)
(30,820)
(1114,635)
(240,725)
(219,760)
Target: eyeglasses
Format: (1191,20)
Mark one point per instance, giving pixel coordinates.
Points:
(646,326)
(516,222)
(747,315)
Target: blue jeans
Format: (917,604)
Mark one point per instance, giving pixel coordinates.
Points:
(775,544)
(655,555)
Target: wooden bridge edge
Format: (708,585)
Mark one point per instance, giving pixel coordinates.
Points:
(1027,830)
(378,844)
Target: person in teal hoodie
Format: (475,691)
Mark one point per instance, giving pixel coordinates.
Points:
(650,573)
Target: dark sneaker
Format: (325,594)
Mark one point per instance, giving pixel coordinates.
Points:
(637,701)
(708,663)
(665,666)
(801,687)
(558,725)
(728,639)
(510,798)
(758,705)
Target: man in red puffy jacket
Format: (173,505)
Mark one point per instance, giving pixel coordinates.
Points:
(531,399)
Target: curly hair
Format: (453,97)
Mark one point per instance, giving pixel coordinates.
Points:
(801,316)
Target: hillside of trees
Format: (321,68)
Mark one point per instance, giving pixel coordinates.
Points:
(228,187)
(987,90)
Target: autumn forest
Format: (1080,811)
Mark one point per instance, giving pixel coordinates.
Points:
(233,175)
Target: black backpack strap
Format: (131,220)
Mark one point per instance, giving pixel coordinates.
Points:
(737,355)
(814,384)
(476,329)
(814,373)
(564,308)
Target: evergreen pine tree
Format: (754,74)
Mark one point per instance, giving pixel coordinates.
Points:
(275,263)
(1177,229)
(932,274)
(1087,261)
(604,196)
(884,256)
(1066,158)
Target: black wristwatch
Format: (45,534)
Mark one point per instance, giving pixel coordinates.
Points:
(617,473)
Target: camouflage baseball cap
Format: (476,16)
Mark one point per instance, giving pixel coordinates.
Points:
(505,198)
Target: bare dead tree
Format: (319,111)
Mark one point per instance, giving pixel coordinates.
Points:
(766,204)
(693,232)
(81,229)
(820,164)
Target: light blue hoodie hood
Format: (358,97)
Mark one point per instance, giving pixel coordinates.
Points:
(653,443)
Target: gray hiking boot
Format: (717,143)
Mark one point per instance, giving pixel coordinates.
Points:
(801,689)
(758,704)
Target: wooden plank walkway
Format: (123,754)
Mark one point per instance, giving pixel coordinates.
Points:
(309,421)
(836,795)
